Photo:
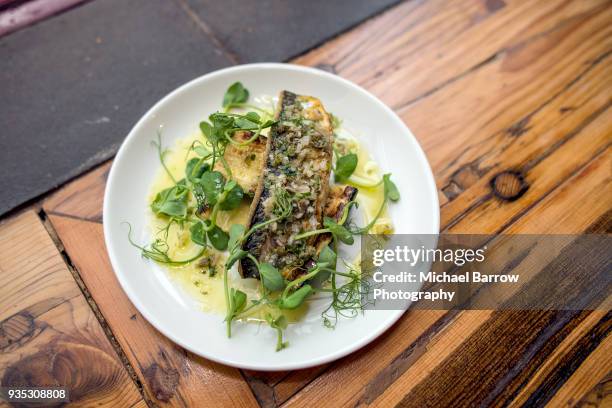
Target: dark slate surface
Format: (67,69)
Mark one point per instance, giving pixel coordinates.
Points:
(73,86)
(276,30)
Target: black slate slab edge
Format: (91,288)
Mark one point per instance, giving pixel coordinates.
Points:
(278,30)
(74,85)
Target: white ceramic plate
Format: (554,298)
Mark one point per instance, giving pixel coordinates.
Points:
(163,303)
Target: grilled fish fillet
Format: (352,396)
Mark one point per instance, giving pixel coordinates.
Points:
(297,164)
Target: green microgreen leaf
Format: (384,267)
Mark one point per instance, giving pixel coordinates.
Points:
(235,94)
(328,258)
(247,122)
(345,166)
(218,238)
(295,299)
(212,185)
(338,231)
(171,202)
(195,168)
(198,234)
(253,117)
(271,277)
(201,151)
(238,301)
(207,129)
(390,188)
(236,232)
(235,301)
(233,197)
(279,324)
(222,120)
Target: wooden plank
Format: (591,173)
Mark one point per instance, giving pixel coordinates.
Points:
(267,377)
(584,379)
(491,213)
(170,375)
(453,339)
(373,368)
(529,157)
(296,380)
(575,206)
(506,127)
(599,396)
(419,47)
(441,346)
(548,130)
(140,404)
(275,387)
(48,333)
(81,198)
(561,355)
(492,362)
(470,126)
(589,189)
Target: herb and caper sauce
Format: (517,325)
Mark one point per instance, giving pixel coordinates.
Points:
(252,190)
(299,157)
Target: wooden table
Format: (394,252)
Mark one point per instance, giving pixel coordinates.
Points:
(511,102)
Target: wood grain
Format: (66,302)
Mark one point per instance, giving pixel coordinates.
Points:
(81,198)
(479,107)
(169,374)
(422,47)
(372,369)
(571,344)
(599,396)
(493,132)
(49,335)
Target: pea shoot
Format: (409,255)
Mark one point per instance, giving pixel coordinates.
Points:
(279,324)
(345,166)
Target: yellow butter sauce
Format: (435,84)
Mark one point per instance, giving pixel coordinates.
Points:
(207,290)
(366,178)
(195,279)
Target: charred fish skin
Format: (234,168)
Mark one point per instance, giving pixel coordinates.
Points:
(339,198)
(297,167)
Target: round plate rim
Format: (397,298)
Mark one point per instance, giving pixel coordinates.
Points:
(237,69)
